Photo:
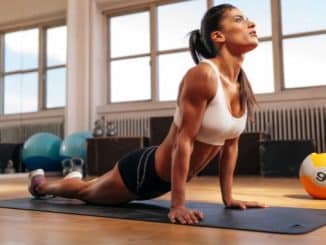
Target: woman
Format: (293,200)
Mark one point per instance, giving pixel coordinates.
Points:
(213,102)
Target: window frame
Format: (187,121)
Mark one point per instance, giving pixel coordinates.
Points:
(301,35)
(277,41)
(154,51)
(154,54)
(126,57)
(280,93)
(42,66)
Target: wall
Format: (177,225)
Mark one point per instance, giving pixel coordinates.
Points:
(14,11)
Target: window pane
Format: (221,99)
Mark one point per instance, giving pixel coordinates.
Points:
(258,11)
(304,61)
(130,80)
(56,46)
(258,66)
(175,21)
(56,88)
(12,91)
(172,68)
(21,50)
(20,93)
(130,34)
(303,16)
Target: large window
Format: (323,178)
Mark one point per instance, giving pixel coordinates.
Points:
(148,64)
(304,43)
(148,54)
(25,72)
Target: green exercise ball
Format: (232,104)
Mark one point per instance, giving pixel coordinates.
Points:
(41,150)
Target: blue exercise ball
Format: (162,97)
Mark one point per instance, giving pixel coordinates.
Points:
(74,145)
(41,150)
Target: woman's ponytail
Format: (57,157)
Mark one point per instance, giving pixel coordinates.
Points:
(198,49)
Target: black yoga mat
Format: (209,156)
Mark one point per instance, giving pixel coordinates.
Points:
(272,219)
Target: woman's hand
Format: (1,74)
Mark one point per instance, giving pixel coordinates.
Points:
(185,216)
(237,204)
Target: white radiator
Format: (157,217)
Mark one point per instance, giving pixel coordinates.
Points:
(19,133)
(281,124)
(132,126)
(292,124)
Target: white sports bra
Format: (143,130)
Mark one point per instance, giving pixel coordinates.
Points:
(218,124)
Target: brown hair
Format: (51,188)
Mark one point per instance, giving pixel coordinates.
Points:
(201,46)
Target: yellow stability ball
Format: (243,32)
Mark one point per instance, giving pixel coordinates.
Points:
(313,175)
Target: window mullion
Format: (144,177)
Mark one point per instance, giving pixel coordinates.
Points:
(2,74)
(210,3)
(20,71)
(48,68)
(42,69)
(130,56)
(154,53)
(109,61)
(277,45)
(173,51)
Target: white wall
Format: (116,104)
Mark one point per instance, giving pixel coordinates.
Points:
(16,10)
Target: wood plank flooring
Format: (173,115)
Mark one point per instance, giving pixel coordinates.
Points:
(30,227)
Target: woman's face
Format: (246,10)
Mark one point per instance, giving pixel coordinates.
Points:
(238,31)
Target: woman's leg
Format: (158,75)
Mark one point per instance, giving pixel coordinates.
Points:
(107,189)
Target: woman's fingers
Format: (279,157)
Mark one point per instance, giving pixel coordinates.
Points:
(188,218)
(185,216)
(245,204)
(198,214)
(172,217)
(182,220)
(255,205)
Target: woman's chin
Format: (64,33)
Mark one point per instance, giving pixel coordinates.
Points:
(251,47)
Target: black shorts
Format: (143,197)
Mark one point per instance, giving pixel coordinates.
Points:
(138,173)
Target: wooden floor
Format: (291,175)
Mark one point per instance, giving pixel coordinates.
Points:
(30,227)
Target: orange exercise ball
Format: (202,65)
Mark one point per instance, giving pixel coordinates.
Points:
(313,175)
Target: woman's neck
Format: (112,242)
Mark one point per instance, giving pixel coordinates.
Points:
(229,65)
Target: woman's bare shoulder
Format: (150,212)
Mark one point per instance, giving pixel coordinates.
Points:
(200,78)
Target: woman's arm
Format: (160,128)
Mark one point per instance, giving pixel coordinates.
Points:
(197,90)
(227,163)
